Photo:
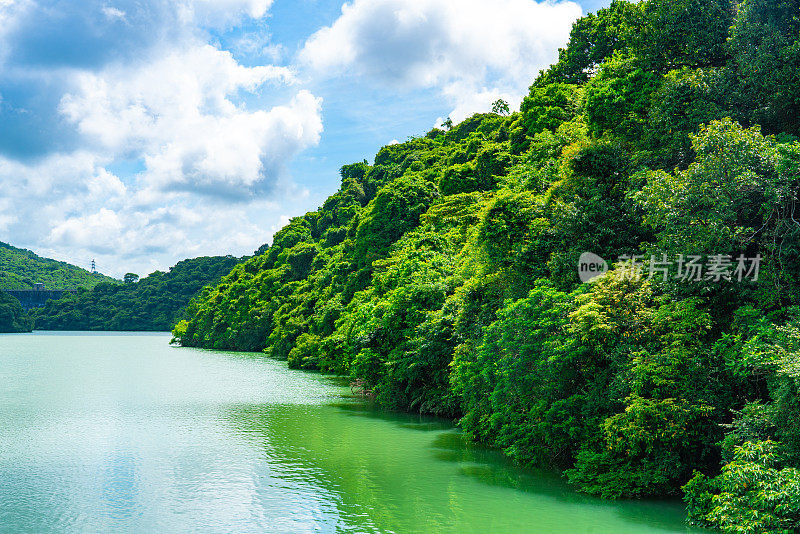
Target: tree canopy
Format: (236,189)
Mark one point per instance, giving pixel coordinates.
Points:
(12,317)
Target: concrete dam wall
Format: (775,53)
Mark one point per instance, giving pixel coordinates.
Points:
(36,298)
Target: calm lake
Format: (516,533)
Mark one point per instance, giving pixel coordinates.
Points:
(123,433)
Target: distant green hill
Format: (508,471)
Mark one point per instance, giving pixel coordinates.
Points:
(21,269)
(154,303)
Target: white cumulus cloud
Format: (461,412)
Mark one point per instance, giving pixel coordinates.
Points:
(221,13)
(113,13)
(474,51)
(180,114)
(43,194)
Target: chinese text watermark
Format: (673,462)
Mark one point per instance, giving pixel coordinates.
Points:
(683,268)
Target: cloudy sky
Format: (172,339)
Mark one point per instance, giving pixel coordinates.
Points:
(142,132)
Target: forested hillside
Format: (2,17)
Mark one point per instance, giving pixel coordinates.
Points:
(154,303)
(444,275)
(20,269)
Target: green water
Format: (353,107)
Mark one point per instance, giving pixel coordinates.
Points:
(122,433)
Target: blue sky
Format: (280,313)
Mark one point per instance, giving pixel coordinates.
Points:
(141,132)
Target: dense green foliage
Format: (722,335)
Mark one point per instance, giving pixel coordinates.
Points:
(13,318)
(753,494)
(21,269)
(443,277)
(154,303)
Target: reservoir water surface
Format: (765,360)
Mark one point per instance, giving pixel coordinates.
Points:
(122,433)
